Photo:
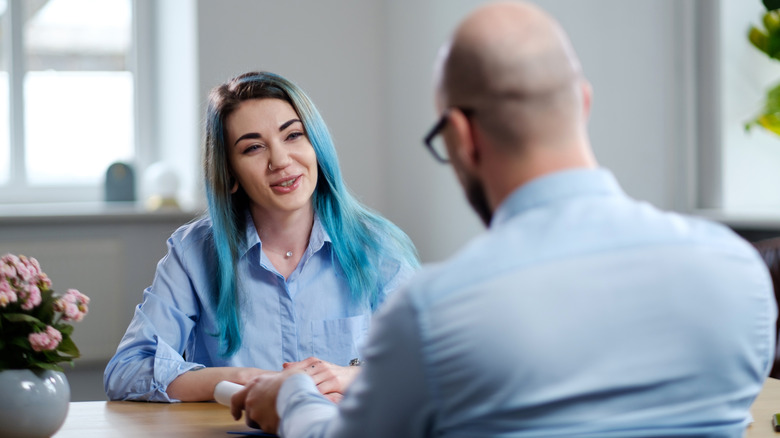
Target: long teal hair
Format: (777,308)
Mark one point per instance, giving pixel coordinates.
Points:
(362,239)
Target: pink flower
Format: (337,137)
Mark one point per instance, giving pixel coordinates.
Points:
(32,263)
(73,305)
(46,340)
(7,295)
(24,271)
(31,296)
(5,286)
(43,281)
(8,266)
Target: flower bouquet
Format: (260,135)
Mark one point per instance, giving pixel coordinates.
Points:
(34,329)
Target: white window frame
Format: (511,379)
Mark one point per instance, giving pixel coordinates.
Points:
(707,156)
(17,190)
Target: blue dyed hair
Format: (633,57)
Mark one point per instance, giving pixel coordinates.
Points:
(361,238)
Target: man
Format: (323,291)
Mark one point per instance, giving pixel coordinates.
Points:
(580,312)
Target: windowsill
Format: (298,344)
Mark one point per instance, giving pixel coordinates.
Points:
(81,212)
(758,219)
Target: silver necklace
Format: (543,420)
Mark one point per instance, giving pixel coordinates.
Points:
(287,254)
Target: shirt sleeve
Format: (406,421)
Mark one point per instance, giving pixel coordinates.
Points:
(149,357)
(388,399)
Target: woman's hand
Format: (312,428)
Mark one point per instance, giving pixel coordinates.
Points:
(331,380)
(198,385)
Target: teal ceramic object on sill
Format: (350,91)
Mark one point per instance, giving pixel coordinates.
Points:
(33,404)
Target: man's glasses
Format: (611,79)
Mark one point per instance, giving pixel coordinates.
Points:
(434,141)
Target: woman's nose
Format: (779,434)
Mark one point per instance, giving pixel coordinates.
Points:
(279,159)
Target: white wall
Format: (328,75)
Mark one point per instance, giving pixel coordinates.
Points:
(630,53)
(110,259)
(367,64)
(332,49)
(368,67)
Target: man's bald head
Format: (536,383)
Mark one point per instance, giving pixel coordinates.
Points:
(513,62)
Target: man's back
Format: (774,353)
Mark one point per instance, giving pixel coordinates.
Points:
(595,314)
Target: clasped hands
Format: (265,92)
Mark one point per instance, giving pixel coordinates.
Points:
(258,398)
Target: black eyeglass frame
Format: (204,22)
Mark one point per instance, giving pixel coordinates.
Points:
(436,130)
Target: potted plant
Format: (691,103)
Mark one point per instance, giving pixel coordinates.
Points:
(767,40)
(35,337)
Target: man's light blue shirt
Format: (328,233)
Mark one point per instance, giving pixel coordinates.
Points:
(311,313)
(581,312)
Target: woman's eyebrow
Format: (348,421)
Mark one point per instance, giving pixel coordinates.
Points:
(255,135)
(288,123)
(248,135)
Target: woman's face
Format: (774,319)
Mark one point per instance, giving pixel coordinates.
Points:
(270,156)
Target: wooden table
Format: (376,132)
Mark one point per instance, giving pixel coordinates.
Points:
(102,419)
(766,405)
(203,420)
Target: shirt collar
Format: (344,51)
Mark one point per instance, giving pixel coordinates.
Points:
(317,238)
(554,187)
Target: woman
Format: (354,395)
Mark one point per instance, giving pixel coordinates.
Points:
(287,265)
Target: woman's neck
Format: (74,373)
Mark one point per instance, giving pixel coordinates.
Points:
(284,233)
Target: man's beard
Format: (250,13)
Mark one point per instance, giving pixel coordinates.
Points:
(475,193)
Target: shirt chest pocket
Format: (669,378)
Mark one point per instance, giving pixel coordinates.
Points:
(339,340)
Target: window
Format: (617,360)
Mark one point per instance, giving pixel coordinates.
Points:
(67,97)
(738,170)
(750,159)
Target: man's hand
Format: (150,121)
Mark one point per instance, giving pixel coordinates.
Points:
(331,380)
(258,400)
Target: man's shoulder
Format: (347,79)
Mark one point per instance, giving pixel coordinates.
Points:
(521,244)
(695,230)
(439,280)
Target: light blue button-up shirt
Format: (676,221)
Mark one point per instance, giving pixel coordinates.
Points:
(581,312)
(308,314)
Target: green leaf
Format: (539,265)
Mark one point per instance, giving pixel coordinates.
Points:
(772,21)
(759,39)
(771,5)
(21,317)
(68,347)
(45,312)
(65,329)
(47,366)
(773,44)
(769,118)
(22,342)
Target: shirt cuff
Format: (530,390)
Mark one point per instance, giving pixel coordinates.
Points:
(168,365)
(296,386)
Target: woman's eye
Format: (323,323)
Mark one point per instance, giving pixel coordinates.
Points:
(294,135)
(253,147)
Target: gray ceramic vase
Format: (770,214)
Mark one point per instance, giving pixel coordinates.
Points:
(33,403)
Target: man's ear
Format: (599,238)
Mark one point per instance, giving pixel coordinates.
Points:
(587,93)
(468,149)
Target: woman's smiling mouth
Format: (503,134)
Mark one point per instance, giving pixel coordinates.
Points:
(286,185)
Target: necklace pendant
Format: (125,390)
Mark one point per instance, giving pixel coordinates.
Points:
(289,254)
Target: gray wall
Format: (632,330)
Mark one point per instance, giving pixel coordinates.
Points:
(368,67)
(111,258)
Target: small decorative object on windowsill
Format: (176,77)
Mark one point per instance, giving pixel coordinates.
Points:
(161,185)
(35,336)
(120,183)
(768,41)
